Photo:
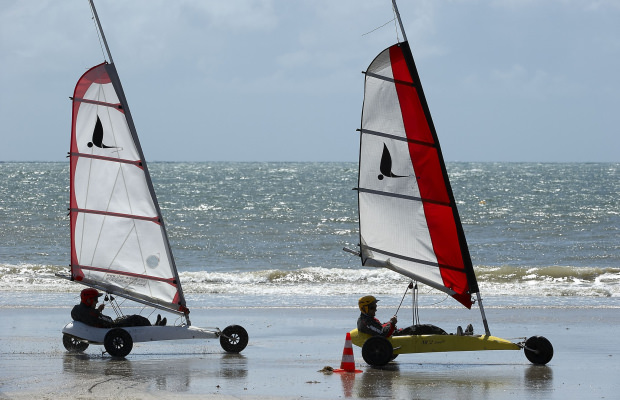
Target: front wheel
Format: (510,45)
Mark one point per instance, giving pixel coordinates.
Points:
(118,342)
(72,343)
(234,338)
(377,351)
(538,350)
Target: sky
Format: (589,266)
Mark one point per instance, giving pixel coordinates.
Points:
(280,80)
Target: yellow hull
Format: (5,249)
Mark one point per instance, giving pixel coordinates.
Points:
(439,343)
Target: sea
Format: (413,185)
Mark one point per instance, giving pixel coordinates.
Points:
(261,234)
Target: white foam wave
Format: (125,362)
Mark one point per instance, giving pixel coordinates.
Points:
(317,281)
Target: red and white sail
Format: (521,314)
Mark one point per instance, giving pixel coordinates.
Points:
(409,222)
(118,239)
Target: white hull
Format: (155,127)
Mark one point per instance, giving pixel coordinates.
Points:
(141,333)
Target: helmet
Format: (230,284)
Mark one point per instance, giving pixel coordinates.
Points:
(365,301)
(89,295)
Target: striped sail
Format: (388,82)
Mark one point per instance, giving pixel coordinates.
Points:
(118,239)
(409,222)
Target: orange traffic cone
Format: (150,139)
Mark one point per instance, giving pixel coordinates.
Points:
(348,363)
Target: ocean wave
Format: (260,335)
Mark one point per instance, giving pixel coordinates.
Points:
(552,281)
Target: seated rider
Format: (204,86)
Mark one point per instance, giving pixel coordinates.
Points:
(367,323)
(88,313)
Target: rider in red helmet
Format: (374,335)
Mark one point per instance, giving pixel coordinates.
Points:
(88,313)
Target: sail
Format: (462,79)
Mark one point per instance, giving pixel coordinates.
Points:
(118,238)
(409,222)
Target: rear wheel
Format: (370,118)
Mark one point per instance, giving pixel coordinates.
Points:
(538,350)
(234,338)
(72,343)
(118,342)
(377,351)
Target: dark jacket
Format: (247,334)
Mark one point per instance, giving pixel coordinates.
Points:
(91,316)
(372,326)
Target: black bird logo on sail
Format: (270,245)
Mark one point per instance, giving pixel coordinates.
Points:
(386,165)
(98,137)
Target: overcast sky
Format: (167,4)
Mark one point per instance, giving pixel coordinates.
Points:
(280,80)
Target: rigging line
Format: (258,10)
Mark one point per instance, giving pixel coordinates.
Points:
(115,306)
(400,21)
(379,27)
(416,311)
(401,300)
(98,34)
(395,24)
(119,305)
(439,302)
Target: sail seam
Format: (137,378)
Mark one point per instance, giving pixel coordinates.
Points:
(119,160)
(394,137)
(118,106)
(112,214)
(110,271)
(429,263)
(388,79)
(403,196)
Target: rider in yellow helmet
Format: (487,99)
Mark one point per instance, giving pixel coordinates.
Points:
(367,323)
(366,301)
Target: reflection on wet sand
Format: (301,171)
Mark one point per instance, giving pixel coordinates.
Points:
(538,377)
(348,382)
(443,380)
(377,382)
(173,375)
(233,366)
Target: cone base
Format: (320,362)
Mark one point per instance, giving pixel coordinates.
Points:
(357,371)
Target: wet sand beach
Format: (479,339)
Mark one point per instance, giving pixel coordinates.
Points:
(289,347)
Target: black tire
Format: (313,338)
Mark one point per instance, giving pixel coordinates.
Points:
(538,350)
(118,342)
(377,351)
(234,338)
(72,343)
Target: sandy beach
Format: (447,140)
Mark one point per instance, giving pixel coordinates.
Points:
(290,346)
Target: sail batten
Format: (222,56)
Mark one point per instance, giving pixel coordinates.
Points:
(394,137)
(408,217)
(388,79)
(99,103)
(418,261)
(112,214)
(402,196)
(137,163)
(118,237)
(171,281)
